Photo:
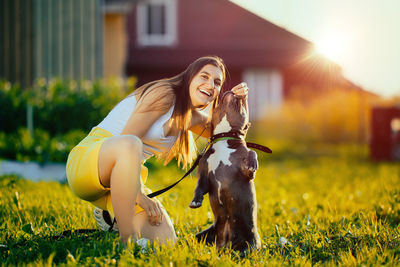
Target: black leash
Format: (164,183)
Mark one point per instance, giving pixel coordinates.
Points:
(112,222)
(212,140)
(159,192)
(238,135)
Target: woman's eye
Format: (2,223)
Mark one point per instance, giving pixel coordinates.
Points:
(204,77)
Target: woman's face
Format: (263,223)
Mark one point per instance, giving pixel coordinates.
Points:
(205,86)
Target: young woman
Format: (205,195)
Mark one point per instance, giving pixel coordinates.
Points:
(106,168)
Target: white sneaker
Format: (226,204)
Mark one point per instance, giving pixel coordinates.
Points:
(104,220)
(143,243)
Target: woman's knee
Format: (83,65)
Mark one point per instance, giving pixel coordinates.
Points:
(122,144)
(115,149)
(128,145)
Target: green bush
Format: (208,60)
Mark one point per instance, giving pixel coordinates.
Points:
(60,106)
(64,111)
(12,107)
(40,146)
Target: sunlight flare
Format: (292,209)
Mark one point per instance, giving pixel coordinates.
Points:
(334,46)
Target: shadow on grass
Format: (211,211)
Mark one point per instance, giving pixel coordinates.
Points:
(73,246)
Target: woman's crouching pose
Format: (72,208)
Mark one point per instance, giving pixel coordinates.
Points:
(106,168)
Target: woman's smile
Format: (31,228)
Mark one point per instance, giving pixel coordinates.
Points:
(207,93)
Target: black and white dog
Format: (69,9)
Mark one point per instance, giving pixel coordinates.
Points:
(226,172)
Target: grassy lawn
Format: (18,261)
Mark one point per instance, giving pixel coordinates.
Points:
(316,205)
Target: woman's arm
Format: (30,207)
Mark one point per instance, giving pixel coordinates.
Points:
(148,110)
(140,122)
(200,124)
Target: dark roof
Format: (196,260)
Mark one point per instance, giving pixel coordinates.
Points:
(220,27)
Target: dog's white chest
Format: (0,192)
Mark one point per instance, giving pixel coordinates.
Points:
(221,154)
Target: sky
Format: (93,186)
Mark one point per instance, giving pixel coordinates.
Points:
(362,36)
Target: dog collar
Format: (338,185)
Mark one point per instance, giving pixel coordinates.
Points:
(230,135)
(220,137)
(233,136)
(226,138)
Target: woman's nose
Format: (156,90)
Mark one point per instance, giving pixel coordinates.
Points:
(211,84)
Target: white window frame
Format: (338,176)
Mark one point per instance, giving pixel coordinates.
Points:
(170,36)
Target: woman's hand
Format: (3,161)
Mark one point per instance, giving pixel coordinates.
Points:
(241,90)
(152,207)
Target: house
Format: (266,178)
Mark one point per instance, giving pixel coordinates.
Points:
(47,39)
(164,36)
(115,36)
(385,133)
(67,39)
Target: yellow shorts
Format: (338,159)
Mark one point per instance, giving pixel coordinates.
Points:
(83,171)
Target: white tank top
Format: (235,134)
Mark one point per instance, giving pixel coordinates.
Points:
(154,141)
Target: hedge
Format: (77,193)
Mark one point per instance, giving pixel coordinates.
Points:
(63,112)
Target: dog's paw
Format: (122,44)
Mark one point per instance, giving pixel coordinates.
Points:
(250,165)
(250,172)
(196,201)
(195,204)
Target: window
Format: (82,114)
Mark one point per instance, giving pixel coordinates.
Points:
(266,91)
(157,22)
(395,125)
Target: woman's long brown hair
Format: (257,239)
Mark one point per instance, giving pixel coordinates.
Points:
(175,91)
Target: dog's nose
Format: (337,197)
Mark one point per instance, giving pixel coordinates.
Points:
(224,95)
(230,95)
(227,93)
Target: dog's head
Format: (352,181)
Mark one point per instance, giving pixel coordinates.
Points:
(231,114)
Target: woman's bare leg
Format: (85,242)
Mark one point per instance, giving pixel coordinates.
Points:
(164,232)
(119,169)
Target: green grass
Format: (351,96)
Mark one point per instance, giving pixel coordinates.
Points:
(316,205)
